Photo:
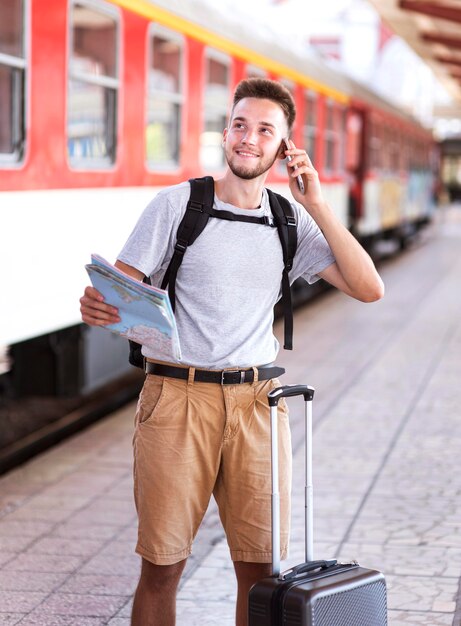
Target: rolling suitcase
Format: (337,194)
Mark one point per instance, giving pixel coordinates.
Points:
(315,593)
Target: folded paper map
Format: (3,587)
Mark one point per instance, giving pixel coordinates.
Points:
(145,311)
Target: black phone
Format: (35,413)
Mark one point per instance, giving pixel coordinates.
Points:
(299,179)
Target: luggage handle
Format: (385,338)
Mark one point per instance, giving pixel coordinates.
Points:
(274,396)
(288,391)
(306,567)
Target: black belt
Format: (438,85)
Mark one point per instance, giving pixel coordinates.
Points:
(224,377)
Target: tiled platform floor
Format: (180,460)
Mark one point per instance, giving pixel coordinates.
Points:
(387,450)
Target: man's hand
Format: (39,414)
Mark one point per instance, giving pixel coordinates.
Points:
(94,311)
(92,306)
(301,165)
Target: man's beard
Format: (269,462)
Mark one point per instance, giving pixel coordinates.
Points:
(249,174)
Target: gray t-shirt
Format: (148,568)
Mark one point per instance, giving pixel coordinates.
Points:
(229,279)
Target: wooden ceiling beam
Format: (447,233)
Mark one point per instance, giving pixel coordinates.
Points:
(438,10)
(448,60)
(447,40)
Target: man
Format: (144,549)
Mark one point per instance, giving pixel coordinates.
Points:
(194,439)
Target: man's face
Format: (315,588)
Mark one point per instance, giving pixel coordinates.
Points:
(252,141)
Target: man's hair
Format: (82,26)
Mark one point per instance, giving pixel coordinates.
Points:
(267,89)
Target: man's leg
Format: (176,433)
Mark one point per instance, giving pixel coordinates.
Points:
(177,450)
(155,598)
(247,575)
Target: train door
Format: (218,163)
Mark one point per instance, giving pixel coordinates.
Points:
(355,162)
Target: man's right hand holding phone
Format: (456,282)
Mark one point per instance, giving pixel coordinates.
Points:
(299,165)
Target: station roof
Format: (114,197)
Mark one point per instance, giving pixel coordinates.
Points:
(432,28)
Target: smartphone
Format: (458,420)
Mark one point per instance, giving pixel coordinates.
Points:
(299,179)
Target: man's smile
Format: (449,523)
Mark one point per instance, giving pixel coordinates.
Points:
(245,153)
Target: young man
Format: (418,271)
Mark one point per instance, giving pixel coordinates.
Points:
(192,438)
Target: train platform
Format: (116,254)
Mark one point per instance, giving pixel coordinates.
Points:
(387,484)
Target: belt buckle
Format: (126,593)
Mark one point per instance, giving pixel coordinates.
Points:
(238,382)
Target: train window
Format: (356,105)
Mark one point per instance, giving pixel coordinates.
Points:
(422,155)
(253,71)
(310,124)
(93,85)
(330,137)
(375,149)
(386,152)
(12,81)
(342,113)
(394,151)
(404,151)
(353,143)
(164,98)
(389,156)
(216,104)
(410,152)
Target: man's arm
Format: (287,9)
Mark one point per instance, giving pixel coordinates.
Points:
(354,272)
(92,306)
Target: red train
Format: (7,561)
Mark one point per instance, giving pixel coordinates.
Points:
(105,102)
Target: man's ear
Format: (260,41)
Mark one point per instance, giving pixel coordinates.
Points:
(281,153)
(224,136)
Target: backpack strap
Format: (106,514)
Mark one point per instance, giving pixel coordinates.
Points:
(286,223)
(195,219)
(233,217)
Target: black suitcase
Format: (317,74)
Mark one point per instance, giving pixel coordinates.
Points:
(315,593)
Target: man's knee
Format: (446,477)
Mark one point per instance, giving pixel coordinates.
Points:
(160,577)
(249,573)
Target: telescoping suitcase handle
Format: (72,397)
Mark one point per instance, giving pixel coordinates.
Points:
(274,397)
(287,391)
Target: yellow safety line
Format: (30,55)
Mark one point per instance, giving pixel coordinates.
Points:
(177,23)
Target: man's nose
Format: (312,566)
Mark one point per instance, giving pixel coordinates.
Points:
(250,136)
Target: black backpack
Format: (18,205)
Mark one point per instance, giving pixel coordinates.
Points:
(198,212)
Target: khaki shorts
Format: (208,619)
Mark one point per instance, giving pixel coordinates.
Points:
(196,439)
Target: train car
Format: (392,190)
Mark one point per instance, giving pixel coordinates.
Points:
(103,103)
(393,164)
